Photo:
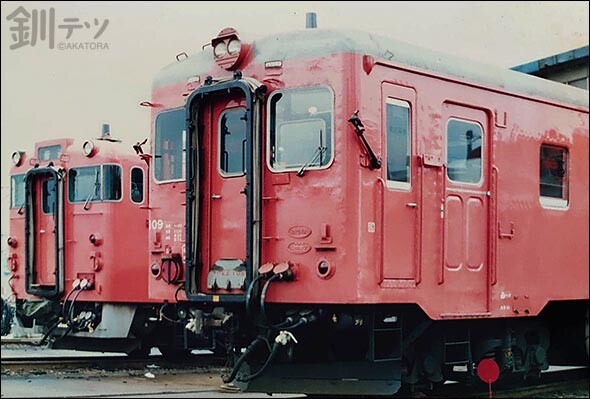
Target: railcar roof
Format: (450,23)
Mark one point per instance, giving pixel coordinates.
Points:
(311,43)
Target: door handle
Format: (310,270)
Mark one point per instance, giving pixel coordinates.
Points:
(412,204)
(215,196)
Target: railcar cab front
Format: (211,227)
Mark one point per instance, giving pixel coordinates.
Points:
(69,202)
(239,135)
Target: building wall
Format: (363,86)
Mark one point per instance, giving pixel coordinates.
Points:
(570,67)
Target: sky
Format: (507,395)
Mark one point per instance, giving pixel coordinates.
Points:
(51,93)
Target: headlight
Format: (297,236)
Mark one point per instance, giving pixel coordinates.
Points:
(88,148)
(17,158)
(220,50)
(234,47)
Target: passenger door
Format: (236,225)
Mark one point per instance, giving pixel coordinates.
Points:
(400,207)
(466,205)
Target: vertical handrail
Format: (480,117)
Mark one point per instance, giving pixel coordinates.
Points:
(493,224)
(381,220)
(420,216)
(441,275)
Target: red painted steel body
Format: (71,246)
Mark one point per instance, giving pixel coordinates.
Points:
(482,250)
(116,262)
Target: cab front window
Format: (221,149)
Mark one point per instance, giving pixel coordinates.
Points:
(301,128)
(17,191)
(170,140)
(95,183)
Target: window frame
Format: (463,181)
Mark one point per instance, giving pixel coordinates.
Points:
(479,183)
(12,205)
(142,186)
(394,184)
(268,133)
(221,172)
(101,183)
(554,202)
(184,152)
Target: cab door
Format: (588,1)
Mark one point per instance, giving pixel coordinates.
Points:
(466,209)
(223,183)
(44,232)
(400,207)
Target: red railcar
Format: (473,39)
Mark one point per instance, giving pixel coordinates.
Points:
(77,244)
(384,212)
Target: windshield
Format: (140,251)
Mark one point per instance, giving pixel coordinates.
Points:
(95,183)
(169,158)
(301,128)
(17,191)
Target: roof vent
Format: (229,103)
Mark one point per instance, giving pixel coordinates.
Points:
(311,20)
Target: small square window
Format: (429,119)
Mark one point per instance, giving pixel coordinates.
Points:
(553,178)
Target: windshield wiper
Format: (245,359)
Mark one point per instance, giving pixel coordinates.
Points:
(93,192)
(20,210)
(319,152)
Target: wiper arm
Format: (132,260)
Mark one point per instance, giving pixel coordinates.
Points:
(20,210)
(92,192)
(319,152)
(359,128)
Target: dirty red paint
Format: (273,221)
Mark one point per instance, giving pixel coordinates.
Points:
(440,243)
(105,243)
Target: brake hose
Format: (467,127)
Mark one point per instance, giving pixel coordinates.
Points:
(273,353)
(263,297)
(249,293)
(241,360)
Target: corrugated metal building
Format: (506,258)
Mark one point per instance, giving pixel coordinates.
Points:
(570,67)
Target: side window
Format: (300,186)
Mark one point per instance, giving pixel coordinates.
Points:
(553,178)
(169,146)
(232,142)
(136,188)
(49,195)
(84,184)
(17,191)
(398,143)
(301,128)
(111,182)
(464,151)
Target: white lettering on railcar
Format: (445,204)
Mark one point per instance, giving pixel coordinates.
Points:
(156,224)
(371,227)
(505,295)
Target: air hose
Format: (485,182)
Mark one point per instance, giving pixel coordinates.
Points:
(250,292)
(242,359)
(273,353)
(60,319)
(263,296)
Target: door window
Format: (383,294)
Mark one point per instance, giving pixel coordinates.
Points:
(398,143)
(464,151)
(232,142)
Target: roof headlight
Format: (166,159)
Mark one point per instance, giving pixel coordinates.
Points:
(234,46)
(220,50)
(17,158)
(88,148)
